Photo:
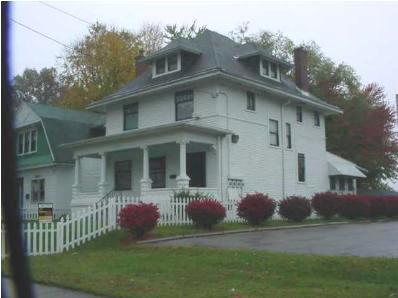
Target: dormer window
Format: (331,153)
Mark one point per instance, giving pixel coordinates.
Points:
(166,65)
(269,69)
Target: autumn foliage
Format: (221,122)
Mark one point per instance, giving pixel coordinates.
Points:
(326,204)
(256,208)
(295,208)
(205,213)
(138,219)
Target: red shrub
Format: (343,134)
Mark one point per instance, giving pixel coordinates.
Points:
(255,208)
(377,206)
(205,212)
(326,204)
(391,203)
(295,208)
(139,218)
(353,206)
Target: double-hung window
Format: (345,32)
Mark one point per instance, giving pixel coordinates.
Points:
(157,172)
(299,114)
(250,101)
(317,120)
(38,191)
(332,181)
(288,136)
(27,141)
(341,183)
(269,69)
(167,64)
(184,105)
(301,167)
(273,132)
(130,116)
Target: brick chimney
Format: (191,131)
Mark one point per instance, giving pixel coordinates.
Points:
(301,68)
(140,67)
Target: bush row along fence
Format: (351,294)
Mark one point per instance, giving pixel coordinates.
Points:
(72,230)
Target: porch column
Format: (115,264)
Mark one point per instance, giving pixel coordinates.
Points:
(76,184)
(183,179)
(146,182)
(103,185)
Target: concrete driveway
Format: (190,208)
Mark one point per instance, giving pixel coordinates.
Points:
(365,239)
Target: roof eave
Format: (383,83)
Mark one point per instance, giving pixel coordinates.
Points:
(163,53)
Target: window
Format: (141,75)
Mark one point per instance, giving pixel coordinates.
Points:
(350,184)
(157,172)
(184,105)
(341,183)
(269,69)
(332,181)
(288,136)
(299,114)
(172,62)
(317,120)
(27,141)
(130,116)
(168,64)
(123,175)
(273,132)
(301,167)
(38,192)
(251,101)
(160,66)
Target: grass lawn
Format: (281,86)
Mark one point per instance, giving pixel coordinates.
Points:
(167,231)
(109,267)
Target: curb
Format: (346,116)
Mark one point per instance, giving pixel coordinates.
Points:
(199,235)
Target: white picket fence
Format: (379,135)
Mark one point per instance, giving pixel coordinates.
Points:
(33,213)
(89,223)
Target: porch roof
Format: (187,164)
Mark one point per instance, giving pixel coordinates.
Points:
(340,166)
(177,126)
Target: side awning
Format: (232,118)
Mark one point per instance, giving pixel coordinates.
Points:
(338,166)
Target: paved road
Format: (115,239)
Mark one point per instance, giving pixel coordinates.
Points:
(365,239)
(42,291)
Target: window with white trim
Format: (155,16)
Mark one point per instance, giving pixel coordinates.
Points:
(269,69)
(301,167)
(250,101)
(27,141)
(317,119)
(166,65)
(38,190)
(288,136)
(273,132)
(299,114)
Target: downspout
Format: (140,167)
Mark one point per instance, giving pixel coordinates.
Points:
(288,102)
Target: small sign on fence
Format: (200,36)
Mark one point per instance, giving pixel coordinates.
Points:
(46,212)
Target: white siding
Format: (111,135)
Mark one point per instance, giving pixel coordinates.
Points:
(90,170)
(57,185)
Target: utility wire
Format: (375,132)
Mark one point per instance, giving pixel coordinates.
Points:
(42,34)
(65,12)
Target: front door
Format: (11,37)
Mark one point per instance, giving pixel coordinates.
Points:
(20,194)
(196,169)
(123,175)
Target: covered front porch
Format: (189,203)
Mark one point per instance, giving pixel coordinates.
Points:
(150,166)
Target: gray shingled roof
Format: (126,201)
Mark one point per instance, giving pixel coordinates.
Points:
(64,126)
(218,53)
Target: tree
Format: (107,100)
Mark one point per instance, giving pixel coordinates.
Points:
(151,37)
(365,133)
(41,86)
(174,31)
(98,64)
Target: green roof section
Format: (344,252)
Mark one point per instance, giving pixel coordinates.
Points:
(58,126)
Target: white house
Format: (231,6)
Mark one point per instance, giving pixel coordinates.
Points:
(214,116)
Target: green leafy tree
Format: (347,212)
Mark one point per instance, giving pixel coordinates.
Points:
(174,31)
(42,86)
(98,64)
